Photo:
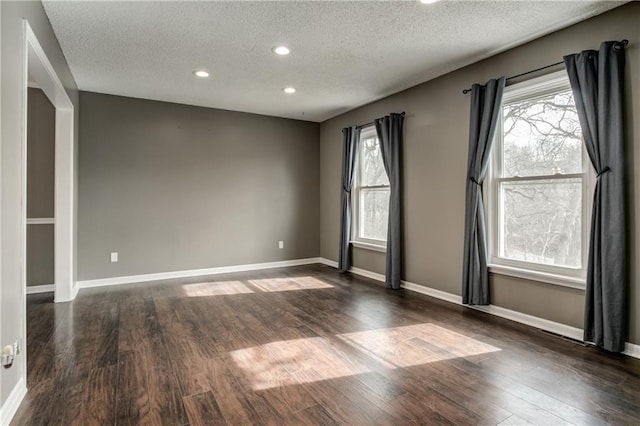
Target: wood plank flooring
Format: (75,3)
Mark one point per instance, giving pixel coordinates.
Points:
(304,346)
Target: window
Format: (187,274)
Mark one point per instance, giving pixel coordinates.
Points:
(539,185)
(371,193)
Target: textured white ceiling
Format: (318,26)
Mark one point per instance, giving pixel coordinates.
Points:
(344,54)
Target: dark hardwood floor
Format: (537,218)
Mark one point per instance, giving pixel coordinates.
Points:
(305,345)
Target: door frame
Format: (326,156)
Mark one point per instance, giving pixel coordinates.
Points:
(37,66)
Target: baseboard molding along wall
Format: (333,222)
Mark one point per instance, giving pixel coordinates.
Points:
(193,273)
(10,406)
(44,288)
(631,349)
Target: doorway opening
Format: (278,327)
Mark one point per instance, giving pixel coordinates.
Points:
(41,120)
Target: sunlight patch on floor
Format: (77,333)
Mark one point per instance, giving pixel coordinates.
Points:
(292,362)
(270,285)
(289,284)
(415,344)
(217,288)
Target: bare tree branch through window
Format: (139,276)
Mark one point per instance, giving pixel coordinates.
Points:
(541,209)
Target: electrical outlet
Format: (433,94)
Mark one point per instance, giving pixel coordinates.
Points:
(8,355)
(281,244)
(114,257)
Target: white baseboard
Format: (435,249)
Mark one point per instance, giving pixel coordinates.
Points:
(193,273)
(368,274)
(11,405)
(328,262)
(530,320)
(575,333)
(631,349)
(354,270)
(438,294)
(45,288)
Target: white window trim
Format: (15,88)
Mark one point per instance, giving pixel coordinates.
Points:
(382,248)
(538,276)
(356,240)
(562,276)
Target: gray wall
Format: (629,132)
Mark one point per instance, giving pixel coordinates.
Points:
(41,126)
(435,156)
(173,187)
(11,70)
(40,258)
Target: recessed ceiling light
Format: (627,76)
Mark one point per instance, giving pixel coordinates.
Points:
(201,73)
(281,50)
(289,90)
(428,1)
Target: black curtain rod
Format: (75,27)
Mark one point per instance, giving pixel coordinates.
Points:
(371,123)
(624,43)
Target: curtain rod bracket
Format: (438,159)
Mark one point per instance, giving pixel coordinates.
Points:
(621,43)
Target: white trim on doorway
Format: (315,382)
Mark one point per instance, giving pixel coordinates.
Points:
(39,68)
(35,66)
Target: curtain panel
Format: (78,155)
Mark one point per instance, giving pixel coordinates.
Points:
(597,82)
(350,137)
(389,130)
(486,102)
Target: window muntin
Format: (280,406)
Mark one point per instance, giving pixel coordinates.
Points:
(539,180)
(372,190)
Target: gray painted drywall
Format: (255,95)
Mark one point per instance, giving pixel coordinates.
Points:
(41,126)
(173,187)
(41,121)
(39,255)
(435,156)
(12,304)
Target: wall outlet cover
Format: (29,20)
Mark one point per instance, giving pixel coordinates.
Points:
(114,256)
(7,356)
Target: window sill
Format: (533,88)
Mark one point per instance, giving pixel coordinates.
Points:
(369,246)
(545,277)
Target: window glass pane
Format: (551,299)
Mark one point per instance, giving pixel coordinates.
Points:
(542,136)
(371,166)
(541,221)
(374,213)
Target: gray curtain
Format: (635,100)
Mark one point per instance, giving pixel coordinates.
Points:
(389,129)
(486,102)
(350,137)
(597,80)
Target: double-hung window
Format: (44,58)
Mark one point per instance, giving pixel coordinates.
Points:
(539,185)
(370,194)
